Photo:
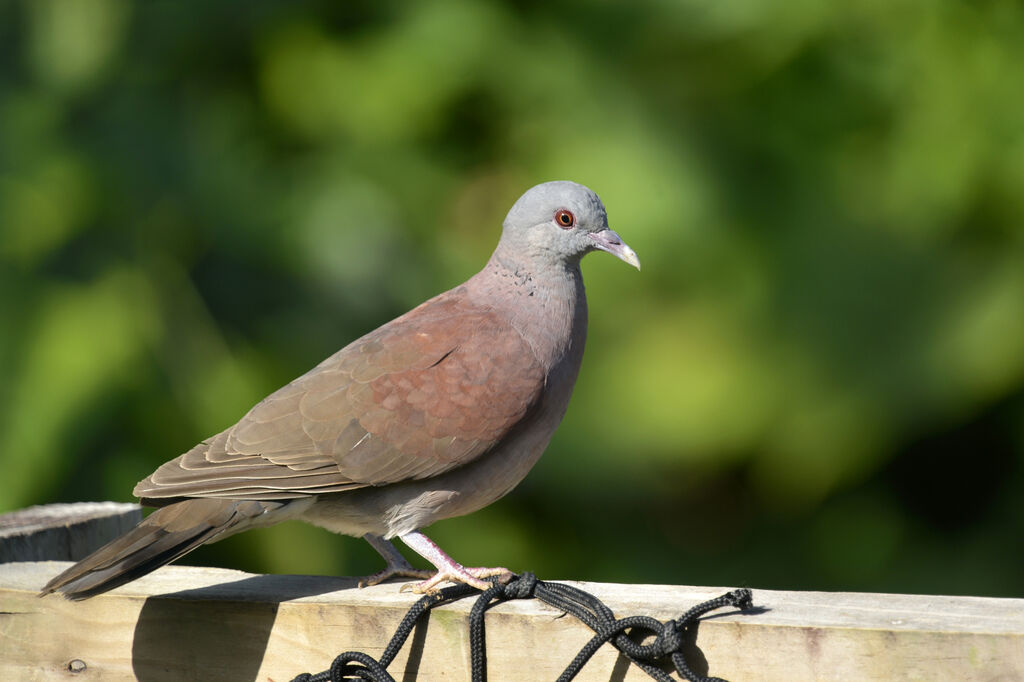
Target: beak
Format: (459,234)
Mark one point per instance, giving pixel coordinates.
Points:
(609,241)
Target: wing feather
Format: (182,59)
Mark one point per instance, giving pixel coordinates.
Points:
(425,393)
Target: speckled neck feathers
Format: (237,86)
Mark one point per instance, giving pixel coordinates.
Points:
(547,306)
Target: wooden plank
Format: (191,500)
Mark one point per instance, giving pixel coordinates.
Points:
(63,532)
(184,623)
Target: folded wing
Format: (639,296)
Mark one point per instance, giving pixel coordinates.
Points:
(425,393)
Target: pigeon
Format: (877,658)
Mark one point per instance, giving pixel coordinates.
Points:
(435,414)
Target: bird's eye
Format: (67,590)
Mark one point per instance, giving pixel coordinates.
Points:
(565,218)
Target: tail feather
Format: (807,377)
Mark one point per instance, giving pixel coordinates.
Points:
(165,535)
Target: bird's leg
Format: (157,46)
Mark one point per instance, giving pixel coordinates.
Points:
(447,568)
(397,566)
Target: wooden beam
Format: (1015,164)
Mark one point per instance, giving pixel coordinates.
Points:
(184,623)
(63,532)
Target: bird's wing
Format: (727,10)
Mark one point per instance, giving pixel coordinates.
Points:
(423,394)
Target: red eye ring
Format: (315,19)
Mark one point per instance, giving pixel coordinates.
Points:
(565,219)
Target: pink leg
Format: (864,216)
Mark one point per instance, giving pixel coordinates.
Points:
(447,568)
(397,566)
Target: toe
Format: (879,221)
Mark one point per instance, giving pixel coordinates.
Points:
(432,585)
(389,573)
(483,572)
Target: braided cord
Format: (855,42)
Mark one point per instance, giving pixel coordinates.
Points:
(653,658)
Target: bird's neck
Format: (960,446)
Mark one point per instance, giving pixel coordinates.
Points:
(545,302)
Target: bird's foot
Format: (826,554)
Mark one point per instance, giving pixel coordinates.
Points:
(473,577)
(448,570)
(390,572)
(397,566)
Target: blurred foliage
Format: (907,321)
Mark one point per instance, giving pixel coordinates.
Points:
(817,382)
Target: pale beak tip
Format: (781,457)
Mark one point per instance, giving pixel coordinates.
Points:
(609,241)
(630,257)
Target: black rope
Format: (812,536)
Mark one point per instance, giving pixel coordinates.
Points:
(664,652)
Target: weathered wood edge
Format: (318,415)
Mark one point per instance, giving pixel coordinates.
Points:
(203,623)
(63,532)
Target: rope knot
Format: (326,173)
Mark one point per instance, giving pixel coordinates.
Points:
(743,599)
(522,587)
(669,641)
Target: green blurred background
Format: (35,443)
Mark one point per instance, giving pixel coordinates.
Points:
(817,381)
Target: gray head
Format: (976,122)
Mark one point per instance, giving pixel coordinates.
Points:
(561,221)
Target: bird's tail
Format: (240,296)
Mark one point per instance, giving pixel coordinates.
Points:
(166,534)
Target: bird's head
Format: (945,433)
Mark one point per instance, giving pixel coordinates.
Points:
(562,221)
